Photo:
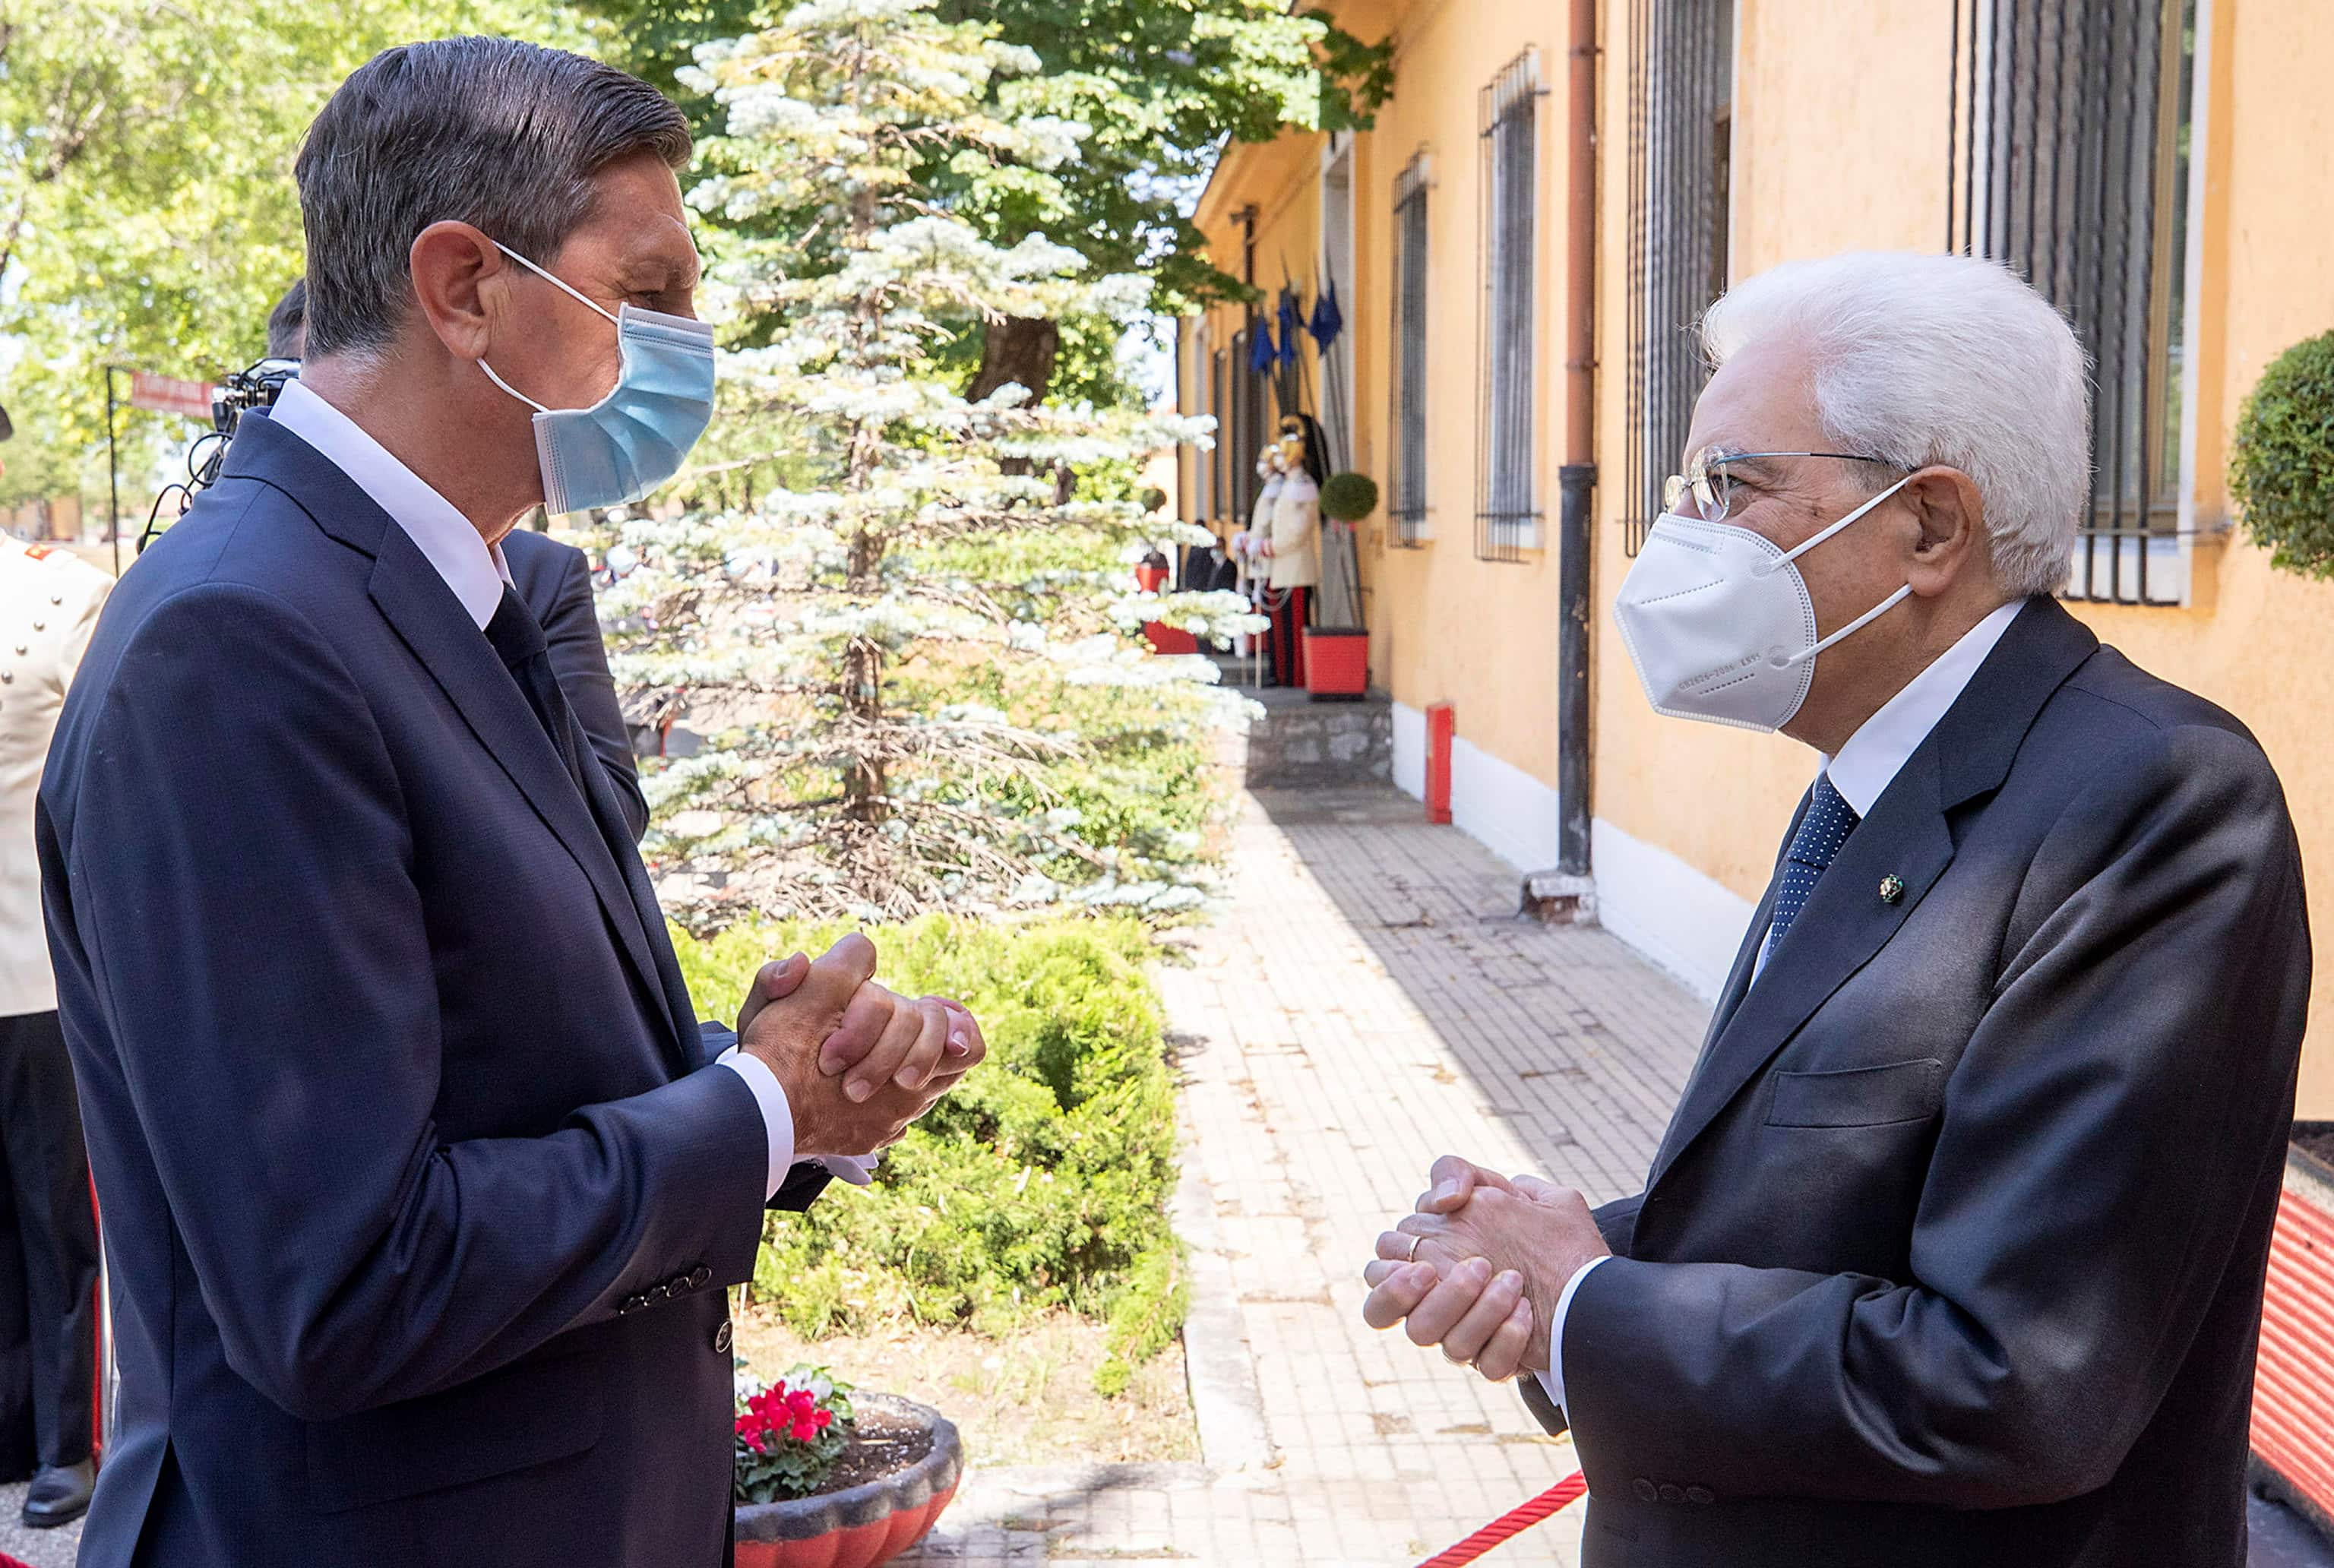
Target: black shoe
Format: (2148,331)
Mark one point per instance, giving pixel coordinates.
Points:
(59,1495)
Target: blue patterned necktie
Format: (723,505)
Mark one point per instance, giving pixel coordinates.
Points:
(1828,821)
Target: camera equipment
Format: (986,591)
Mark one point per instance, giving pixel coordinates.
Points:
(243,391)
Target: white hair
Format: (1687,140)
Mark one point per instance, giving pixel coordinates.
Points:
(1939,359)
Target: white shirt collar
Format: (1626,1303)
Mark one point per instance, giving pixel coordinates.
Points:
(471,567)
(1885,742)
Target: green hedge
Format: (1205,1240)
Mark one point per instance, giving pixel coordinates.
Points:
(2281,460)
(1041,1183)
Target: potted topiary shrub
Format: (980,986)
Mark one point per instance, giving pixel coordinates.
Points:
(827,1477)
(2282,459)
(1337,652)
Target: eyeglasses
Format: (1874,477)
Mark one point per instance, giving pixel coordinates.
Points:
(1711,488)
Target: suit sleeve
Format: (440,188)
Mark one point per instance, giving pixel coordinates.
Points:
(571,629)
(1618,1223)
(805,1179)
(2102,1139)
(241,884)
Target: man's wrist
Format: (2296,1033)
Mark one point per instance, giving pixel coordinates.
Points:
(1552,1377)
(777,1113)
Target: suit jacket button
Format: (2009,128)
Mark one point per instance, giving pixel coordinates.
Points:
(677,1285)
(721,1339)
(1701,1496)
(632,1303)
(1646,1491)
(655,1293)
(701,1278)
(1671,1492)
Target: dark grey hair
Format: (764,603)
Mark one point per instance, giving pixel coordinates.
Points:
(485,130)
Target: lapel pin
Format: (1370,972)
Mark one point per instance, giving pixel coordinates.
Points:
(1892,888)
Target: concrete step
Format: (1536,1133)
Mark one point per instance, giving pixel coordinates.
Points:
(1300,744)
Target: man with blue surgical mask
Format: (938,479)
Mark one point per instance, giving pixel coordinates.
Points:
(1953,1251)
(424,1188)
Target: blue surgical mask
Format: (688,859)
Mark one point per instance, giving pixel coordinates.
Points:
(638,435)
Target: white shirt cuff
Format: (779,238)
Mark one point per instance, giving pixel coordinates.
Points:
(1552,1379)
(778,1116)
(778,1120)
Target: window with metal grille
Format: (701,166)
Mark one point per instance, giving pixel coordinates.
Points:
(1245,416)
(1407,458)
(1681,160)
(1507,500)
(2070,163)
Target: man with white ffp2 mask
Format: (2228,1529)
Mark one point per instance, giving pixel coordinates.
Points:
(1953,1250)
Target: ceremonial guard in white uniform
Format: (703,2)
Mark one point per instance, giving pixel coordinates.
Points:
(49,1315)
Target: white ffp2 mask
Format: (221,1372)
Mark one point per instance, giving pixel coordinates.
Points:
(1719,624)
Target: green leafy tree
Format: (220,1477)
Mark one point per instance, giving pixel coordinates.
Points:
(1159,88)
(147,215)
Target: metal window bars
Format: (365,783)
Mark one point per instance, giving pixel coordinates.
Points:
(1407,419)
(2070,124)
(1507,505)
(1681,86)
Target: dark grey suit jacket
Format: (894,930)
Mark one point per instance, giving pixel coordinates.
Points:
(555,581)
(1952,1253)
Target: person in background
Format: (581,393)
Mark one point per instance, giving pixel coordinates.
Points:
(1292,564)
(555,580)
(49,599)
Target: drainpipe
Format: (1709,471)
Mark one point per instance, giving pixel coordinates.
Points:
(1569,893)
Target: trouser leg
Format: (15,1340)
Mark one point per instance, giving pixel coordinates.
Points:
(56,1215)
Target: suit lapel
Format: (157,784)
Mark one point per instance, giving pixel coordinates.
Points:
(618,836)
(1908,836)
(1846,922)
(434,625)
(1746,958)
(428,618)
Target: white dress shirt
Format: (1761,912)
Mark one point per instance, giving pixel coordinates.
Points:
(1866,764)
(474,569)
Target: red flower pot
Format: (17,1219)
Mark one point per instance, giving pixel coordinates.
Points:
(865,1526)
(1336,662)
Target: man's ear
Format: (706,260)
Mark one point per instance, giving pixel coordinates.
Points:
(459,277)
(1950,515)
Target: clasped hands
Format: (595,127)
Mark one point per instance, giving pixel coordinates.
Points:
(858,1062)
(1479,1266)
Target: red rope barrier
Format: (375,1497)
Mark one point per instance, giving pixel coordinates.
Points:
(1514,1522)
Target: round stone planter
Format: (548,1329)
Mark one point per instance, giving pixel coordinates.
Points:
(867,1525)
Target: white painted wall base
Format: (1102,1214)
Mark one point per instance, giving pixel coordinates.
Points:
(1679,919)
(1505,808)
(1492,801)
(1410,750)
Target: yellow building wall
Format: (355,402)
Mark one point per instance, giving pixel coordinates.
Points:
(1444,626)
(1841,134)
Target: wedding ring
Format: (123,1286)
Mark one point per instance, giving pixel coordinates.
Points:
(1413,1249)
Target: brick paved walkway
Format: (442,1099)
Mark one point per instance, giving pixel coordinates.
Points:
(1370,1002)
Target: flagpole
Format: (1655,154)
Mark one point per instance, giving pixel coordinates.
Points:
(112,475)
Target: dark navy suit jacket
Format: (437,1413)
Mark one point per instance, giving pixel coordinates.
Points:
(555,581)
(1952,1253)
(420,1198)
